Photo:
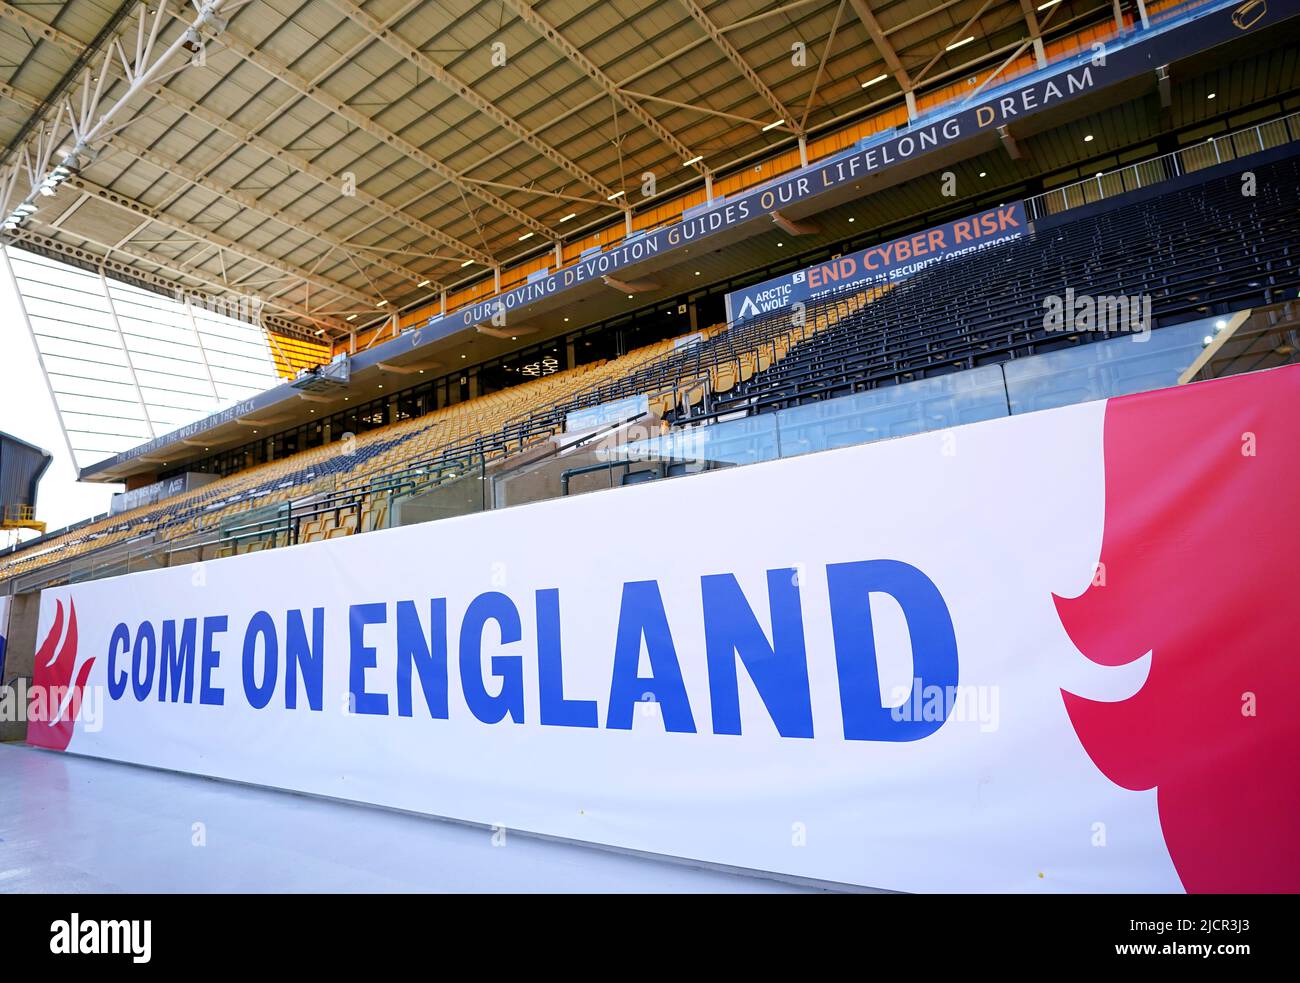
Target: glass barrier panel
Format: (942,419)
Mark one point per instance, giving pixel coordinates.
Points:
(150,559)
(462,495)
(545,478)
(1100,369)
(893,411)
(732,442)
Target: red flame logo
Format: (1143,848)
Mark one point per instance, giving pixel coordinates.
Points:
(1199,554)
(55,699)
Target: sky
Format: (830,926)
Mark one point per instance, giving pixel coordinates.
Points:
(27,411)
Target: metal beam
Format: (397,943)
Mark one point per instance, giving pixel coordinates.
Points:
(203,352)
(40,356)
(1035,31)
(126,354)
(952,39)
(376,29)
(75,255)
(83,57)
(216,239)
(247,201)
(546,29)
(821,68)
(877,35)
(330,180)
(702,110)
(33,25)
(24,99)
(185,268)
(773,12)
(737,59)
(92,122)
(317,94)
(250,138)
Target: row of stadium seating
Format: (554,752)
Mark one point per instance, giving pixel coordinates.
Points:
(1198,251)
(352,463)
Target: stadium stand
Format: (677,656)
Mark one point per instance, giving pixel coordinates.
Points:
(1205,248)
(1201,248)
(346,466)
(291,354)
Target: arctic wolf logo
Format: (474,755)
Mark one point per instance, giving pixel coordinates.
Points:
(1200,554)
(55,697)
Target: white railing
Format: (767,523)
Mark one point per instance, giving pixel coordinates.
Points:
(1195,157)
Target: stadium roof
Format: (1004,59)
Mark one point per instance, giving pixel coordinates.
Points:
(334,158)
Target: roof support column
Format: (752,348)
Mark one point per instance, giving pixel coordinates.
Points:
(1035,31)
(887,52)
(126,352)
(203,352)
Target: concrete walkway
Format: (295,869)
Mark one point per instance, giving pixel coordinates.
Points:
(70,824)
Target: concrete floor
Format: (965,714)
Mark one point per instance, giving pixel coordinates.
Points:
(70,824)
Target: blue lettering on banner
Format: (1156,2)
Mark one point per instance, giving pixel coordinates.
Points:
(492,606)
(427,655)
(259,693)
(934,645)
(779,669)
(364,657)
(210,695)
(142,661)
(305,658)
(642,616)
(766,640)
(118,642)
(556,710)
(177,661)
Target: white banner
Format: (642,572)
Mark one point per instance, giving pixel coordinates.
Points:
(848,666)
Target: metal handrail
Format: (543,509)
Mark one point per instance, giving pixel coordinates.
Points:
(1110,184)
